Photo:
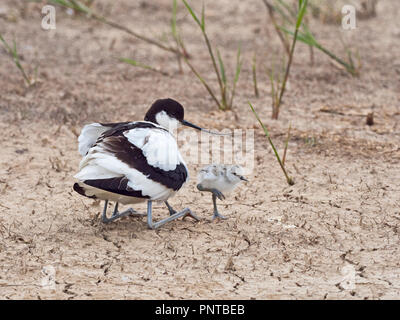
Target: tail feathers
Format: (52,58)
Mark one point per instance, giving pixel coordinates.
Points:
(89,135)
(81,191)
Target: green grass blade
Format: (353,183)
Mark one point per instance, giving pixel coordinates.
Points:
(280,7)
(14,55)
(272,80)
(201,25)
(254,71)
(238,64)
(5,44)
(141,65)
(283,87)
(223,104)
(306,38)
(222,68)
(237,74)
(223,78)
(302,11)
(173,20)
(61,3)
(203,20)
(68,4)
(201,79)
(80,6)
(15,47)
(286,145)
(288,179)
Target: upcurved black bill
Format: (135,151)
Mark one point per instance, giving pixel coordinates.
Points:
(188,124)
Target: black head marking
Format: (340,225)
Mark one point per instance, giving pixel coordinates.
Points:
(173,108)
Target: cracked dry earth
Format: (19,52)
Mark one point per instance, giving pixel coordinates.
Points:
(333,235)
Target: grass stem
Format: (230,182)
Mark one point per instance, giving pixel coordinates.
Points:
(300,15)
(286,145)
(284,41)
(289,180)
(14,55)
(141,65)
(224,103)
(80,7)
(254,69)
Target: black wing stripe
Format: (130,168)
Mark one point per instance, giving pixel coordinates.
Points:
(133,156)
(120,128)
(115,185)
(113,124)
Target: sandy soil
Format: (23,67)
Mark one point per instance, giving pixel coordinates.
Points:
(341,217)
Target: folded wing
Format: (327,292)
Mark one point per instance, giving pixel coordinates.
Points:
(137,159)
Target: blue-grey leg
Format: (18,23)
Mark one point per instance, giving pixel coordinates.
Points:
(215,194)
(116,215)
(154,225)
(104,216)
(170,209)
(216,213)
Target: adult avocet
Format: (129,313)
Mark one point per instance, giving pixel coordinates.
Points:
(131,162)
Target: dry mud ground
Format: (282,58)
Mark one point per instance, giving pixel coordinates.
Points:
(338,223)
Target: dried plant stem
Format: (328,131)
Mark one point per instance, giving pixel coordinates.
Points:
(275,85)
(270,10)
(201,78)
(225,103)
(283,88)
(77,5)
(202,26)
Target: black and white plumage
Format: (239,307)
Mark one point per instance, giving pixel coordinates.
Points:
(132,162)
(219,179)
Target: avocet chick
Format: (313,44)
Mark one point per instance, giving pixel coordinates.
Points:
(219,179)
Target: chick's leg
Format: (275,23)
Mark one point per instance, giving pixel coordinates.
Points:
(215,194)
(216,213)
